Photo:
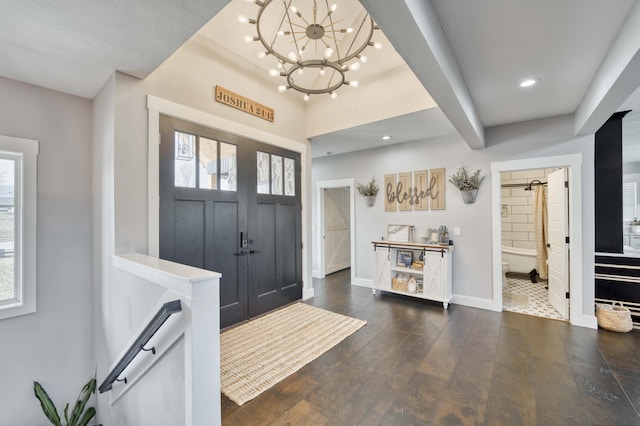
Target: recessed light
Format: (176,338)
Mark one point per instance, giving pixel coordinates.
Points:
(386,138)
(529,82)
(329,152)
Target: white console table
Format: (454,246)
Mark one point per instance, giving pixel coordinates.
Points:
(433,278)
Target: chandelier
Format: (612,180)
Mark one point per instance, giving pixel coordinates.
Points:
(313,46)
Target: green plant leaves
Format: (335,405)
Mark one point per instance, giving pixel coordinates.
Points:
(48,407)
(88,415)
(81,402)
(79,416)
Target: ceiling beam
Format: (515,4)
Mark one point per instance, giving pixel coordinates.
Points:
(617,77)
(415,32)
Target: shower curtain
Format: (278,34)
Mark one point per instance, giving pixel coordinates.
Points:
(540,219)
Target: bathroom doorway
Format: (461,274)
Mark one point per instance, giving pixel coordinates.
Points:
(535,264)
(571,239)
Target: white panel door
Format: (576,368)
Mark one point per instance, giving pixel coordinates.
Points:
(382,279)
(337,235)
(434,275)
(557,209)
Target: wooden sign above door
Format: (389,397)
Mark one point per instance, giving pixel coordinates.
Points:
(427,191)
(227,97)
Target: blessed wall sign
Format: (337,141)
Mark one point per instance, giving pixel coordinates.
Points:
(227,97)
(425,191)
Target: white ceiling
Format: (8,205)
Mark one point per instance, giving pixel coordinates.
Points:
(499,43)
(73,46)
(478,51)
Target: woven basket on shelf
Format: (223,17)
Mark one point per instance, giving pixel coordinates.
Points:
(399,284)
(614,318)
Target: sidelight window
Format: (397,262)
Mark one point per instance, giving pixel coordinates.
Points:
(205,163)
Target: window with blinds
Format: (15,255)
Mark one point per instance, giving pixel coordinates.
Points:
(629,205)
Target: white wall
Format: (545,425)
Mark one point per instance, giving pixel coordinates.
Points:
(472,258)
(121,153)
(53,345)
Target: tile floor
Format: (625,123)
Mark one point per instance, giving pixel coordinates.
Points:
(524,297)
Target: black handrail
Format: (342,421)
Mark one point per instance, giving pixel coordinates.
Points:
(154,325)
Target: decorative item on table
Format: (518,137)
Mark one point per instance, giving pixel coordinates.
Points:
(418,264)
(411,285)
(370,190)
(443,235)
(468,184)
(433,236)
(404,258)
(419,285)
(400,233)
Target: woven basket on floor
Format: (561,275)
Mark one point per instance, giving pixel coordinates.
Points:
(614,318)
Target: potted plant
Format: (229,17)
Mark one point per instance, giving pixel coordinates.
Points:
(370,190)
(80,415)
(468,184)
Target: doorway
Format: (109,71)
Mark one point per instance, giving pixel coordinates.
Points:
(573,164)
(339,221)
(535,255)
(232,205)
(336,232)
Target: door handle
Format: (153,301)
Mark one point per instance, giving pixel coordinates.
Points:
(254,251)
(241,253)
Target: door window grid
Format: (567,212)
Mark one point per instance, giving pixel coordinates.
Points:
(216,163)
(289,177)
(275,174)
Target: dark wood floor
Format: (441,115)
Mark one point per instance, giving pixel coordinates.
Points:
(415,363)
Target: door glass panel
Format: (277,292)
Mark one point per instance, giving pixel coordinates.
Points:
(263,173)
(7,230)
(228,167)
(289,177)
(276,175)
(208,163)
(185,160)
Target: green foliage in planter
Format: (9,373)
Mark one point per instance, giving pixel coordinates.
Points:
(371,188)
(465,181)
(78,416)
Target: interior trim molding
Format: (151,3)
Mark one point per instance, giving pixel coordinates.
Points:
(573,162)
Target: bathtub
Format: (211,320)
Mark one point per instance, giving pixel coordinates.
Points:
(520,259)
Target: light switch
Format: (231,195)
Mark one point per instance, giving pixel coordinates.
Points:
(456,232)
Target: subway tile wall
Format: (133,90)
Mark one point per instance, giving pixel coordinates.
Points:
(517,208)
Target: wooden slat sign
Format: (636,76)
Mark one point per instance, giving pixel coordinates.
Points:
(227,97)
(437,191)
(428,190)
(390,205)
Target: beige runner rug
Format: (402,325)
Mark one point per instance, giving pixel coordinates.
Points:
(261,353)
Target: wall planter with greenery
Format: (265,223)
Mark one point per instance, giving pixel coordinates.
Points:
(468,184)
(370,190)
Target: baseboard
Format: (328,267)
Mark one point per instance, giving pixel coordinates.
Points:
(316,274)
(307,293)
(362,282)
(475,302)
(588,321)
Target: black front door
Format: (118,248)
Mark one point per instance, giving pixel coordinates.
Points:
(232,205)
